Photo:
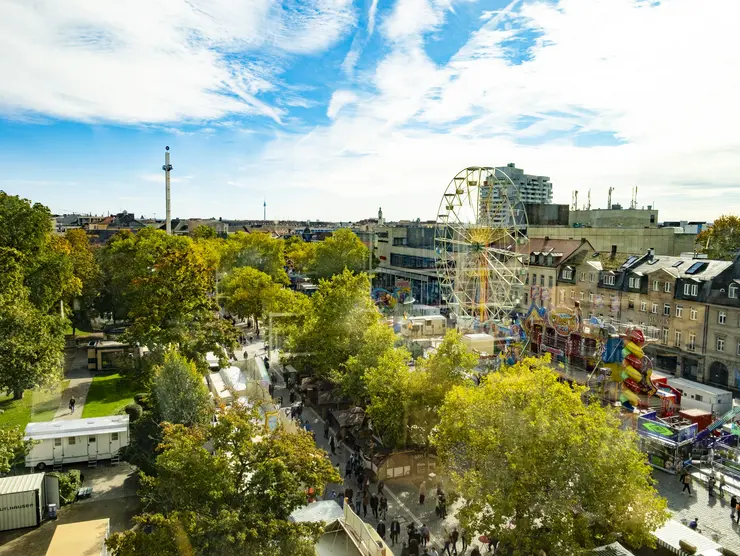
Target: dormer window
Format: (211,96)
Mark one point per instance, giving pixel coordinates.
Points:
(567,274)
(732,292)
(634,282)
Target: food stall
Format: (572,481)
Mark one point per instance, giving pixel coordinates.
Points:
(665,441)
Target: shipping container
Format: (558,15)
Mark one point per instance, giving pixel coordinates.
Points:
(22,501)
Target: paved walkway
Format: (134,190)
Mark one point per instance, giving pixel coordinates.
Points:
(80,379)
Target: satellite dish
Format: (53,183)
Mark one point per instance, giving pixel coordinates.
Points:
(167,148)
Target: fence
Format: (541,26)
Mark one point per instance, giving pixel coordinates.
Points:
(366,538)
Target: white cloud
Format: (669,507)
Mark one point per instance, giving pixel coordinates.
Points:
(659,77)
(371,17)
(339,100)
(155,61)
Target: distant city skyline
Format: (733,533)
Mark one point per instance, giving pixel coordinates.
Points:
(327,110)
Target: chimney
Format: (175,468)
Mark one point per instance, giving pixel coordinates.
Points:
(547,238)
(614,251)
(651,254)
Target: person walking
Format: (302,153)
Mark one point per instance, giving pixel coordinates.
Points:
(733,506)
(448,542)
(349,494)
(381,529)
(465,538)
(365,502)
(722,483)
(422,492)
(425,534)
(333,445)
(454,536)
(72,403)
(413,546)
(687,483)
(433,551)
(404,550)
(348,470)
(358,504)
(710,485)
(395,531)
(374,504)
(326,430)
(383,506)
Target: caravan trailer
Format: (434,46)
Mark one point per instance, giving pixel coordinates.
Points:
(76,440)
(695,395)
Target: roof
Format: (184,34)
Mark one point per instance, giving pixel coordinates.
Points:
(349,417)
(73,427)
(83,537)
(695,412)
(557,247)
(672,532)
(315,512)
(110,344)
(608,262)
(21,483)
(684,383)
(668,264)
(234,378)
(613,549)
(218,385)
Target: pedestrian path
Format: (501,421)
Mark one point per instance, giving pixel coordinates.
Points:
(80,379)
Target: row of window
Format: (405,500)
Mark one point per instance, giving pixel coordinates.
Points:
(550,281)
(634,283)
(411,261)
(90,440)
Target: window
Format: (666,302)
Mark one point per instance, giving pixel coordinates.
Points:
(692,315)
(643,306)
(698,397)
(542,280)
(722,317)
(654,308)
(114,436)
(656,286)
(609,279)
(667,310)
(732,291)
(630,303)
(57,442)
(677,339)
(592,277)
(567,274)
(679,311)
(665,336)
(590,297)
(531,259)
(549,281)
(634,282)
(526,280)
(72,441)
(691,346)
(562,296)
(583,296)
(526,298)
(690,289)
(534,279)
(720,344)
(572,294)
(91,440)
(583,276)
(667,287)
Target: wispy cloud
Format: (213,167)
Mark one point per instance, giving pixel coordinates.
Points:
(372,12)
(339,100)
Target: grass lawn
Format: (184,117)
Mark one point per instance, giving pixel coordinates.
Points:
(36,405)
(108,395)
(78,333)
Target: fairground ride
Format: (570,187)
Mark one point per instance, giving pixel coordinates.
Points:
(480,233)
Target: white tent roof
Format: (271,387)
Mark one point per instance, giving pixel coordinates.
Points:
(74,427)
(234,378)
(322,510)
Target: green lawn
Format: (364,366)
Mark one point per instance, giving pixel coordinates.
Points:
(36,405)
(79,333)
(108,395)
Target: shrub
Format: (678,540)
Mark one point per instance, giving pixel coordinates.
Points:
(144,400)
(69,484)
(134,411)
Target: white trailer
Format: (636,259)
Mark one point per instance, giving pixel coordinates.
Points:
(24,499)
(695,395)
(76,440)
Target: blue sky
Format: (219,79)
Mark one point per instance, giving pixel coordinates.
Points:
(328,109)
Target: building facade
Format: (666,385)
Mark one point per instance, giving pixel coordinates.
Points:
(529,188)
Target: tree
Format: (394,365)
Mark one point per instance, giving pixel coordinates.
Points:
(389,385)
(343,250)
(181,396)
(234,501)
(248,293)
(341,311)
(542,471)
(204,232)
(85,268)
(299,254)
(165,288)
(12,448)
(722,239)
(257,250)
(31,341)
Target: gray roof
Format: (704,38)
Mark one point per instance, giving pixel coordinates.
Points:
(666,263)
(21,483)
(613,549)
(75,427)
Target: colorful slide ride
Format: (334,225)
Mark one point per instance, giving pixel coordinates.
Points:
(635,370)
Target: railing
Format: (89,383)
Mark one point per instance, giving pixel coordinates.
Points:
(366,538)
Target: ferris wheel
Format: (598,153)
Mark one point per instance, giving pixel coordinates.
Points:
(481,228)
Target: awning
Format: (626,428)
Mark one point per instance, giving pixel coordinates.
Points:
(670,535)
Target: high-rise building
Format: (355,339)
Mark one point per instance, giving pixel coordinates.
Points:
(523,188)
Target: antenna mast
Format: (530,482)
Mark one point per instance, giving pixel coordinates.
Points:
(588,207)
(609,201)
(264,210)
(167,169)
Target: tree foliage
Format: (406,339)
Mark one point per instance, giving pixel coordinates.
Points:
(12,448)
(204,232)
(722,239)
(181,396)
(343,250)
(86,270)
(389,385)
(164,287)
(256,250)
(540,470)
(341,311)
(31,341)
(299,254)
(234,501)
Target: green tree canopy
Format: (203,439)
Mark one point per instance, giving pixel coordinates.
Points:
(343,250)
(299,254)
(341,312)
(86,270)
(542,471)
(257,250)
(12,448)
(204,232)
(234,501)
(181,396)
(722,239)
(248,292)
(389,383)
(31,341)
(164,287)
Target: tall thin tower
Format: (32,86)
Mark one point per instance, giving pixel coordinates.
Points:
(167,169)
(264,210)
